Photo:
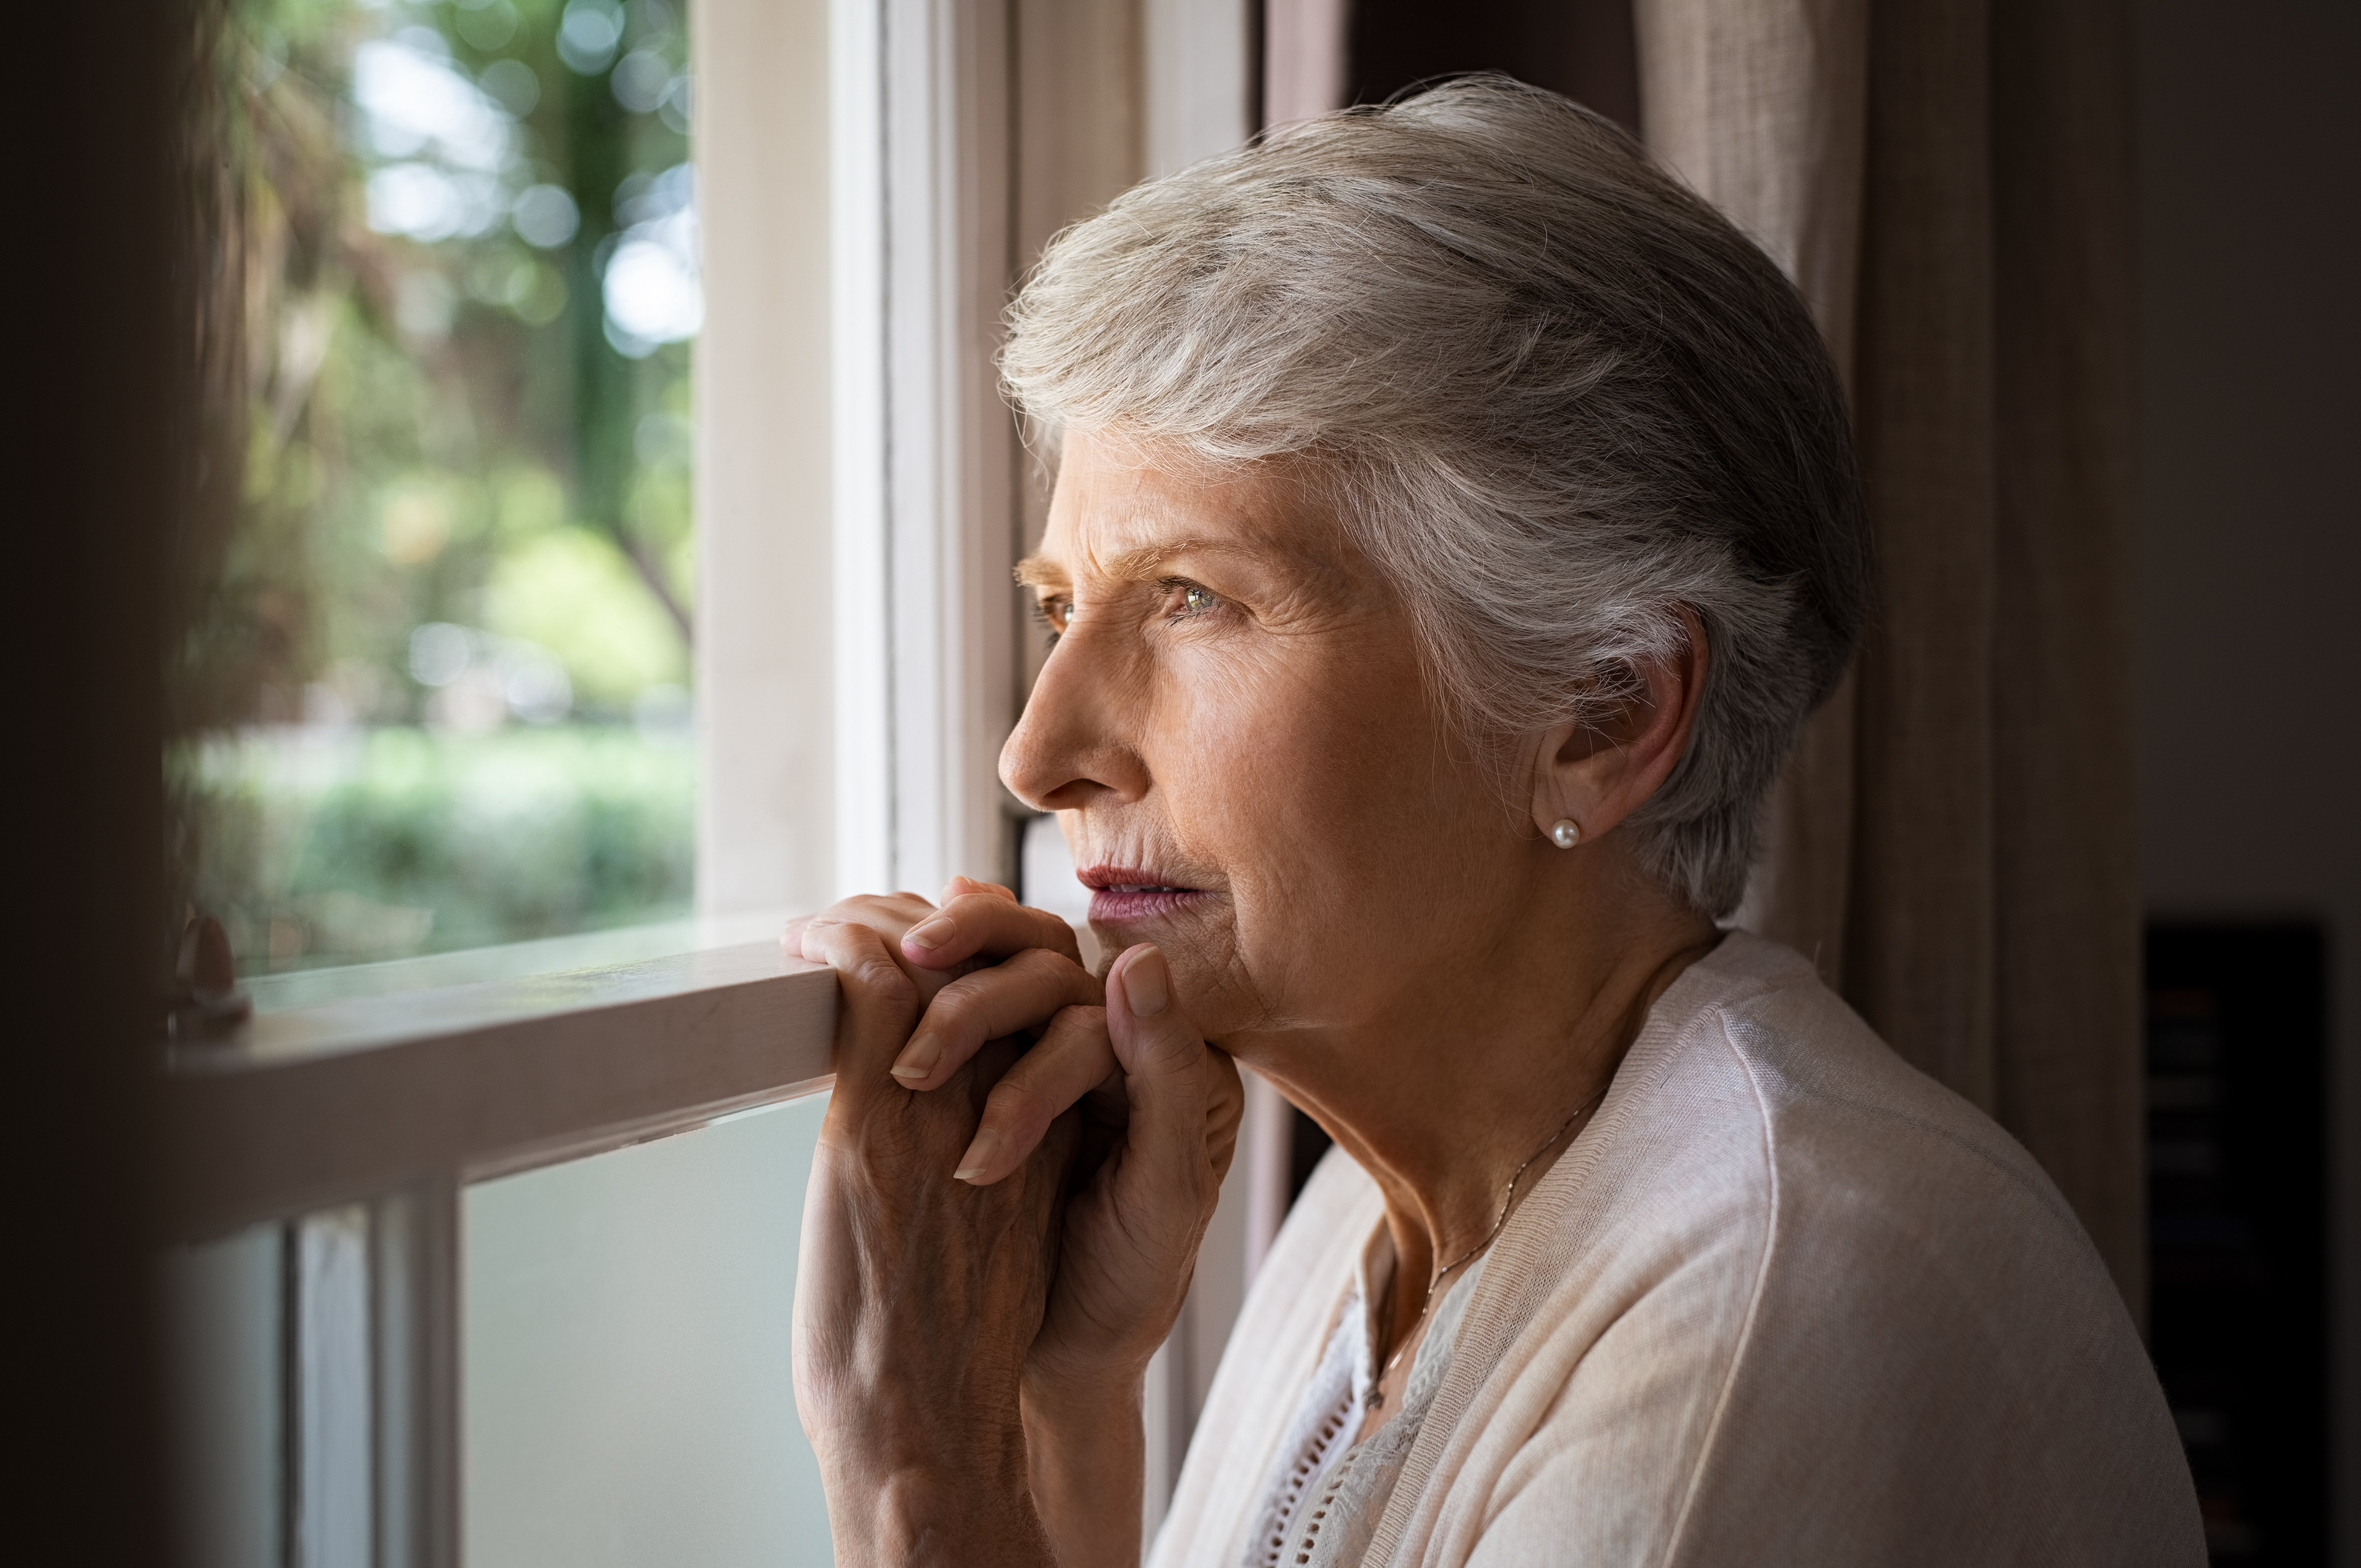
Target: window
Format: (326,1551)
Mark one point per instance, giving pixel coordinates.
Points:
(498,1272)
(435,692)
(484,1252)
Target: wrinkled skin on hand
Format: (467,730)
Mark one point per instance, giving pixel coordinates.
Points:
(917,1297)
(928,1320)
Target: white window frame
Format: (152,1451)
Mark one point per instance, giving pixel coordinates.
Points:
(391,1104)
(873,173)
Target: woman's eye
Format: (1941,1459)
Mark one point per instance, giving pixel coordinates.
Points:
(1188,599)
(1057,614)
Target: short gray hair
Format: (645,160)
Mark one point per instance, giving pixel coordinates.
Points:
(1558,396)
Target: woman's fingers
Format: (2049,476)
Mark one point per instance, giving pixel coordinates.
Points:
(965,884)
(1184,1097)
(1185,1107)
(880,1000)
(888,913)
(981,921)
(1133,1229)
(1020,992)
(1071,1059)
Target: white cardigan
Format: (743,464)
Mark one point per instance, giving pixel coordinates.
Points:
(1785,1301)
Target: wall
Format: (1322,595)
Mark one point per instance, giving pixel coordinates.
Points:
(2250,747)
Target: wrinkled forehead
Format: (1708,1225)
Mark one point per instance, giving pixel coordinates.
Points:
(1122,510)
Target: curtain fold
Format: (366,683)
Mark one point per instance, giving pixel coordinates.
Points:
(1763,107)
(2068,1010)
(1948,182)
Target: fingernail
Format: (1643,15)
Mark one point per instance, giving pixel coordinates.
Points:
(917,1059)
(978,1157)
(932,934)
(1146,985)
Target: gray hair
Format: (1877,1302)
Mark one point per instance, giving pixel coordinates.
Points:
(1558,396)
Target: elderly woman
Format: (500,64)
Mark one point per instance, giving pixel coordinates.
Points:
(1455,520)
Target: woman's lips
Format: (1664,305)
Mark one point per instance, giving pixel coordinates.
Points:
(1121,896)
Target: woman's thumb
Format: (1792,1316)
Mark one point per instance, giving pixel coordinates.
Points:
(1163,1062)
(1151,1033)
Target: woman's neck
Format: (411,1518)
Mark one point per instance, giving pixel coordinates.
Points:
(1471,1066)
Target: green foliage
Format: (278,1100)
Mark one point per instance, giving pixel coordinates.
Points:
(448,436)
(409,387)
(342,847)
(537,592)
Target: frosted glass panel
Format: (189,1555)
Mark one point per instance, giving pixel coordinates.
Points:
(627,1392)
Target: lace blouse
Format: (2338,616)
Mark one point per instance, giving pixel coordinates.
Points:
(1323,1499)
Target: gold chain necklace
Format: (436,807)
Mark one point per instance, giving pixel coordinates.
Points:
(1507,1201)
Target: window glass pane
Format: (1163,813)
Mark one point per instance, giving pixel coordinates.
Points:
(628,1394)
(432,691)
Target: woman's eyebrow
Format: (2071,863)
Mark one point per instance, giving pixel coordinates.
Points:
(1141,563)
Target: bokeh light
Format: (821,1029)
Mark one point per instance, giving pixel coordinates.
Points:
(546,216)
(587,34)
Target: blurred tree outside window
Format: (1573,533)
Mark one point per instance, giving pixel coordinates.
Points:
(430,689)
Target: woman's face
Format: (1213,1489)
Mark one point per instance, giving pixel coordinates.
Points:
(1234,733)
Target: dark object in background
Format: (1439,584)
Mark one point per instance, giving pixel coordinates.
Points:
(1584,48)
(2237,1106)
(99,349)
(1307,1140)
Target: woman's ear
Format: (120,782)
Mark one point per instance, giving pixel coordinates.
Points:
(1588,777)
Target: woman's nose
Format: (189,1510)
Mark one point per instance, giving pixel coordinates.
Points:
(1070,743)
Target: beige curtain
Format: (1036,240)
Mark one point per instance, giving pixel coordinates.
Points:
(1950,183)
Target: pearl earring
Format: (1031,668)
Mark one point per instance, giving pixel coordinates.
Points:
(1566,833)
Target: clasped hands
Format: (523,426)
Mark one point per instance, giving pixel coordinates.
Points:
(1016,1170)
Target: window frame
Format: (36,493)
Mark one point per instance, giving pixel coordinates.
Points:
(341,1101)
(391,1104)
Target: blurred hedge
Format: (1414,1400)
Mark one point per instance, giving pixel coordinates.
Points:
(341,846)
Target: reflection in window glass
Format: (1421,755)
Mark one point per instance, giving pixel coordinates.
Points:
(433,692)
